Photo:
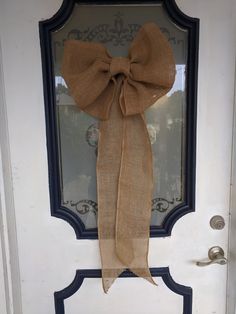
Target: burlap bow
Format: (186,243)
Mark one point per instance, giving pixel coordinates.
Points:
(117,91)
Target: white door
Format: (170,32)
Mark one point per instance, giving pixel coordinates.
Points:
(48,252)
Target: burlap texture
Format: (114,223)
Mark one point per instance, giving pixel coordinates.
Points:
(117,91)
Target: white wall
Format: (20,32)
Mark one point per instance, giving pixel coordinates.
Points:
(2,251)
(231,297)
(9,268)
(3,309)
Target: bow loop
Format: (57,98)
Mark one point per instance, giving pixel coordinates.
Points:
(149,73)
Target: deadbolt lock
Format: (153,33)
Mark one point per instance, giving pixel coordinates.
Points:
(217,222)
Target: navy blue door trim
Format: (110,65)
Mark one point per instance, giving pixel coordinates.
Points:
(164,273)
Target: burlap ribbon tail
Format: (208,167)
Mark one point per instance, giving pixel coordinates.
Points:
(117,91)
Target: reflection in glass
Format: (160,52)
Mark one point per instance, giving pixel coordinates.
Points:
(78,132)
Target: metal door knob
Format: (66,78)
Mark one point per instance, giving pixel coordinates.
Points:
(216,256)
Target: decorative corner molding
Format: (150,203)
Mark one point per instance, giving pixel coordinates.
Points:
(164,273)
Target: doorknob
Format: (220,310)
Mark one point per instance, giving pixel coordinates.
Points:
(216,256)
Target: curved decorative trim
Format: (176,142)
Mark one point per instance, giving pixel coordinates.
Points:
(57,21)
(164,273)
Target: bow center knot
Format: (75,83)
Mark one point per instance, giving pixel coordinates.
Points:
(120,65)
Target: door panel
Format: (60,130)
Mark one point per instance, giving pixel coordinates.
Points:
(180,297)
(117,302)
(49,253)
